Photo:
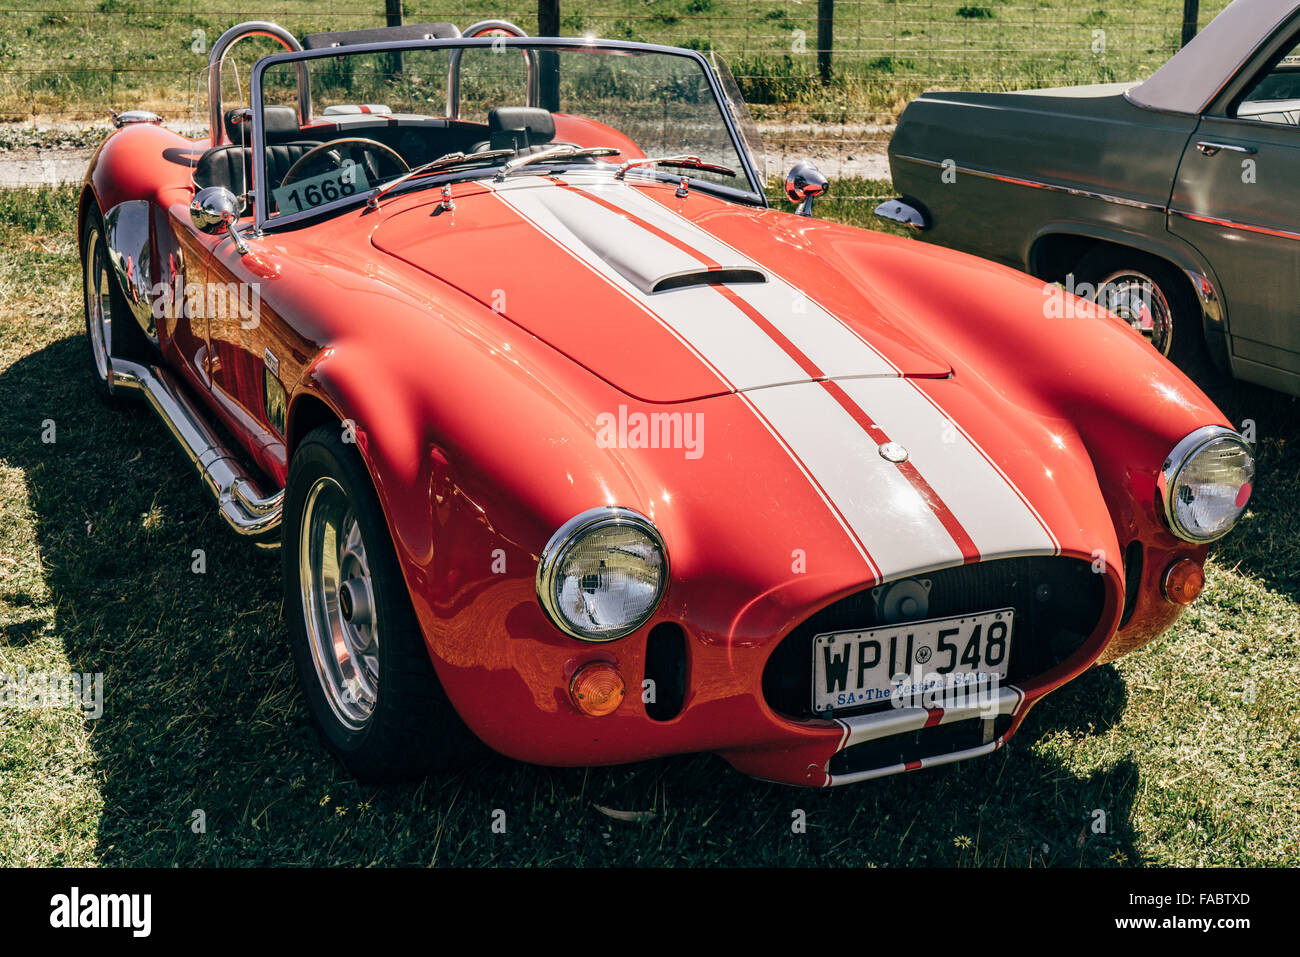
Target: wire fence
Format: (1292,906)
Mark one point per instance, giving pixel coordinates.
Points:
(823,79)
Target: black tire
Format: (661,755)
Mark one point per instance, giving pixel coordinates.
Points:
(122,338)
(1184,342)
(411,729)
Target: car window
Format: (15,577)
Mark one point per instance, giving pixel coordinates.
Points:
(1275,97)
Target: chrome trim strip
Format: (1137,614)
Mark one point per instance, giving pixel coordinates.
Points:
(238,497)
(1038,184)
(558,545)
(882,724)
(1208,294)
(1232,224)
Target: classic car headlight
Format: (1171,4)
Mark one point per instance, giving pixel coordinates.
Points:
(1206,483)
(602,574)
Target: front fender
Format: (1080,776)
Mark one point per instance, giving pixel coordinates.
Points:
(1166,246)
(134,176)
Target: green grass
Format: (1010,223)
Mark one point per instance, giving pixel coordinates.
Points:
(84,56)
(202,712)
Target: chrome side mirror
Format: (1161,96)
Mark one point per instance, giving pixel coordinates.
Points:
(803,184)
(215,208)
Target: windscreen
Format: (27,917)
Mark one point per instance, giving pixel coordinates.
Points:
(377,115)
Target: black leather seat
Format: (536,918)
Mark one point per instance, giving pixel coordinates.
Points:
(231,165)
(279,122)
(525,128)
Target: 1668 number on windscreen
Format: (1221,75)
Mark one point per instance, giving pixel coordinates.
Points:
(314,191)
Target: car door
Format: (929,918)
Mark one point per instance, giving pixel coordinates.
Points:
(182,313)
(1236,198)
(245,352)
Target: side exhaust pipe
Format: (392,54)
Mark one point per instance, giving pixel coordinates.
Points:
(239,500)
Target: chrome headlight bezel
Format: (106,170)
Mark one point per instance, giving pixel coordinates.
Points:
(572,532)
(1183,453)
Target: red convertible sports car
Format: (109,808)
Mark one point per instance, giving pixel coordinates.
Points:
(573,445)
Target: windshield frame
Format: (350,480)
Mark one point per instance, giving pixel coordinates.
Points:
(261,203)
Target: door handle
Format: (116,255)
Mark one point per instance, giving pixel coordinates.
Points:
(1209,149)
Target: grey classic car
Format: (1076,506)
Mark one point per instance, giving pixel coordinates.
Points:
(1174,202)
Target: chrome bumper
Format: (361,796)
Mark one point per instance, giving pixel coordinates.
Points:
(883,724)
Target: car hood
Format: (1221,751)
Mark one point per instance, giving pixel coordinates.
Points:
(666,298)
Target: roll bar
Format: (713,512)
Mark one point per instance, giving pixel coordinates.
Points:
(273,31)
(252,28)
(453,65)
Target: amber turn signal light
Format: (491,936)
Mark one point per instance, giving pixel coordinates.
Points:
(597,689)
(1184,580)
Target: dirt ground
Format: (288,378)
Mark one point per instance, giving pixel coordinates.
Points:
(40,154)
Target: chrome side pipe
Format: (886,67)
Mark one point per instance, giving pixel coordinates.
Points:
(239,498)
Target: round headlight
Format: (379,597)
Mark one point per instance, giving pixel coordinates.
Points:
(602,574)
(1206,483)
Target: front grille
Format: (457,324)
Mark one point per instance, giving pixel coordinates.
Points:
(1058,603)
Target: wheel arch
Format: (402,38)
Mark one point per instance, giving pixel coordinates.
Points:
(307,411)
(1056,249)
(312,407)
(333,390)
(84,202)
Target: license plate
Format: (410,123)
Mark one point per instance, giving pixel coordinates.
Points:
(313,191)
(856,668)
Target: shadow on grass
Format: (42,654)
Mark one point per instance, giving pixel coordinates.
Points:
(1266,545)
(203,723)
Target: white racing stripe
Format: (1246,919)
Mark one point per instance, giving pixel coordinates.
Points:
(725,336)
(885,513)
(831,345)
(889,516)
(983,500)
(986,505)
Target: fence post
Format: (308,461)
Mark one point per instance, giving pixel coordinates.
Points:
(548,25)
(1191,16)
(548,18)
(825,37)
(393,12)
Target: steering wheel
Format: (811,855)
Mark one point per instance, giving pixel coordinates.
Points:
(334,152)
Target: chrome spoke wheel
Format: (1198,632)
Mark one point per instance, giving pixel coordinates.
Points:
(99,304)
(339,604)
(1139,301)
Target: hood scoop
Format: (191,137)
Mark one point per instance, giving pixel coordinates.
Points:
(650,300)
(712,276)
(651,261)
